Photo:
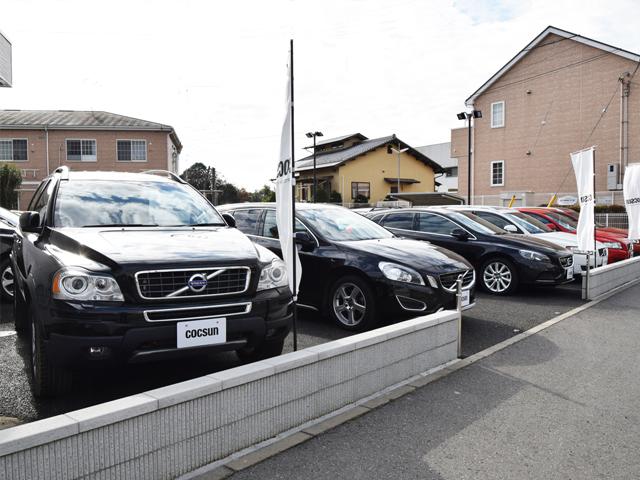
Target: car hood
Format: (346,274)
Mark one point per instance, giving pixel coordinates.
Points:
(155,246)
(562,238)
(424,257)
(531,242)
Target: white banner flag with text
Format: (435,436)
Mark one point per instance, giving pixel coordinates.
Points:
(632,199)
(583,168)
(284,199)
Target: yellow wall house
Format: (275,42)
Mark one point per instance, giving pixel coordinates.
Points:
(364,170)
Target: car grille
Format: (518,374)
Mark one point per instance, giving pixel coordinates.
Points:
(448,280)
(195,313)
(171,284)
(566,261)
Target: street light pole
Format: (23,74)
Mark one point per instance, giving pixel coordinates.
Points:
(468,116)
(315,179)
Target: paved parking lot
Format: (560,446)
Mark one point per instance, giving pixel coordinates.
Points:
(491,321)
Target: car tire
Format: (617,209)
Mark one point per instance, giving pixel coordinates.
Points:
(7,279)
(498,276)
(47,380)
(20,314)
(261,352)
(351,304)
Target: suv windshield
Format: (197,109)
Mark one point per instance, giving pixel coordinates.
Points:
(527,223)
(96,203)
(340,224)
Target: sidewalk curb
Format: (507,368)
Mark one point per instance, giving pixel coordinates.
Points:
(256,454)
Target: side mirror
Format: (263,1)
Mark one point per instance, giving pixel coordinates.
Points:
(229,219)
(460,234)
(305,240)
(511,228)
(30,222)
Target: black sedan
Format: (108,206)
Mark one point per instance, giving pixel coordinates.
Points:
(502,260)
(8,223)
(355,271)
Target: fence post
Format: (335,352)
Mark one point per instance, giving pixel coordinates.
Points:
(459,309)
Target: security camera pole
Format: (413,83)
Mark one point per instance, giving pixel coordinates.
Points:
(468,116)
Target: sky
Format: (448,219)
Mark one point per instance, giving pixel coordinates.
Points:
(216,70)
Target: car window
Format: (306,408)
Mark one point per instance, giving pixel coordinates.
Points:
(270,228)
(42,201)
(543,220)
(100,203)
(497,220)
(340,224)
(247,220)
(528,223)
(402,220)
(432,223)
(376,218)
(476,224)
(36,195)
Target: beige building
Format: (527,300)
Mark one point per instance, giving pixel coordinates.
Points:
(39,141)
(563,92)
(364,170)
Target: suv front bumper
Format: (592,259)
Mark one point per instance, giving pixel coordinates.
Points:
(84,336)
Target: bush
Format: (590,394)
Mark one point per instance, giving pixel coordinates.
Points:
(10,181)
(322,196)
(335,197)
(361,199)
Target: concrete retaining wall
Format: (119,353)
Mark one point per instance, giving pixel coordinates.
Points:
(167,432)
(602,280)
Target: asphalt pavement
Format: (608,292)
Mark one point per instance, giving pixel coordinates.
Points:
(492,320)
(561,404)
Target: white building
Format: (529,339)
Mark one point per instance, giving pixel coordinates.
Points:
(441,154)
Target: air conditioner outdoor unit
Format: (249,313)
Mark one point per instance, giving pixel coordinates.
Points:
(612,177)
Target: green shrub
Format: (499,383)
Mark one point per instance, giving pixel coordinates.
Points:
(10,181)
(335,197)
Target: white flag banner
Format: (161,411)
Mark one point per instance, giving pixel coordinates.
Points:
(284,198)
(583,168)
(632,199)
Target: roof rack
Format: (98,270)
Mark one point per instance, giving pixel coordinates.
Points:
(63,171)
(166,173)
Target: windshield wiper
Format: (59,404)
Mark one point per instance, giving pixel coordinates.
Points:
(122,225)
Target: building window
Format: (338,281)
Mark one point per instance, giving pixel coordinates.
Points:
(451,171)
(13,150)
(132,150)
(497,173)
(497,115)
(360,190)
(81,151)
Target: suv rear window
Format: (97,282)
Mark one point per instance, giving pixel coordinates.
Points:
(96,203)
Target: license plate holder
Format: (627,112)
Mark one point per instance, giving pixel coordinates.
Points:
(198,333)
(466,298)
(570,273)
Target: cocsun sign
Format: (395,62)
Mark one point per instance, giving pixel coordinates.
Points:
(5,62)
(632,198)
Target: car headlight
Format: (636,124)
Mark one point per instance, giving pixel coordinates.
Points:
(76,284)
(400,273)
(612,245)
(273,275)
(531,255)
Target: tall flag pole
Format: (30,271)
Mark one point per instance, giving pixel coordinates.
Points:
(285,201)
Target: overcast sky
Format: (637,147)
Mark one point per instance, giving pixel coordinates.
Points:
(216,70)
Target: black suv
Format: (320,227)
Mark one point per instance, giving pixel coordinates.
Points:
(127,267)
(502,260)
(354,271)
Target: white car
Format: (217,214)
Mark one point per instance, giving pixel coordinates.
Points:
(514,221)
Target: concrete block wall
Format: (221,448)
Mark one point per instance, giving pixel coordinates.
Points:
(173,430)
(605,279)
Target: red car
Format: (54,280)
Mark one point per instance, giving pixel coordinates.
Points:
(620,248)
(618,231)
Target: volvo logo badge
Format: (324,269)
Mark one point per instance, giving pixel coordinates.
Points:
(197,282)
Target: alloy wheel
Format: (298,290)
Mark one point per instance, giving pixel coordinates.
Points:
(349,304)
(497,277)
(6,281)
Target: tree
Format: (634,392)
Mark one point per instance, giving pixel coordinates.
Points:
(10,180)
(265,194)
